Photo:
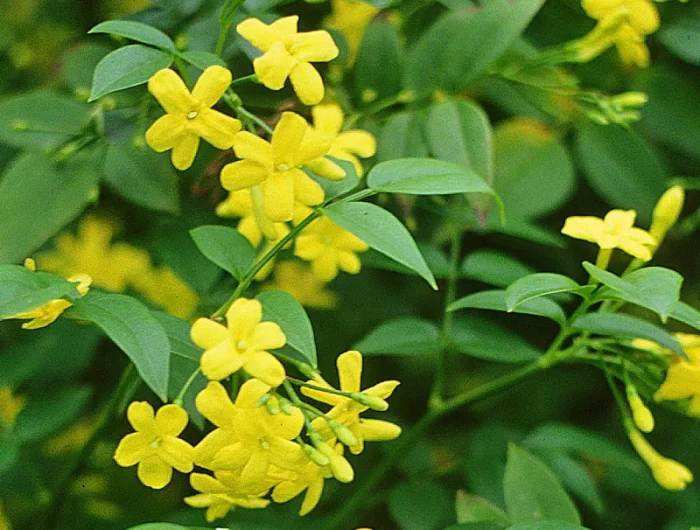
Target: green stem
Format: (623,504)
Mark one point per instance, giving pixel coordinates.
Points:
(328,390)
(401,97)
(182,68)
(253,78)
(252,117)
(181,395)
(64,487)
(221,40)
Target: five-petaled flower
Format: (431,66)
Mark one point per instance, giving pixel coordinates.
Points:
(189,115)
(222,493)
(155,445)
(287,53)
(242,344)
(683,377)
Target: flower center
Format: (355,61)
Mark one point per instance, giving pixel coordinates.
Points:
(264,444)
(241,345)
(192,115)
(282,167)
(155,444)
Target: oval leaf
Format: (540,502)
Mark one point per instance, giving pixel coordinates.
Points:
(686,314)
(481,338)
(22,290)
(138,334)
(401,336)
(496,301)
(225,247)
(493,267)
(536,285)
(126,67)
(381,231)
(282,308)
(137,31)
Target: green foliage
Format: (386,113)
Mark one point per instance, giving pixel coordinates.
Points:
(496,300)
(536,285)
(401,336)
(481,338)
(136,31)
(225,247)
(381,44)
(23,289)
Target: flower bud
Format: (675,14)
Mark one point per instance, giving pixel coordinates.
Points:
(30,264)
(340,467)
(671,475)
(368,400)
(315,455)
(285,405)
(344,434)
(667,211)
(641,414)
(271,407)
(631,99)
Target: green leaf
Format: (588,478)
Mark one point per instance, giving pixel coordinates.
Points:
(495,300)
(381,231)
(282,308)
(621,167)
(136,31)
(493,267)
(47,414)
(160,526)
(460,132)
(461,46)
(335,188)
(225,247)
(474,509)
(9,451)
(481,338)
(655,288)
(126,67)
(536,285)
(423,176)
(142,177)
(532,491)
(575,478)
(403,136)
(228,10)
(381,45)
(627,327)
(22,290)
(203,60)
(78,64)
(401,336)
(130,325)
(686,314)
(37,199)
(533,172)
(420,505)
(547,525)
(41,120)
(682,37)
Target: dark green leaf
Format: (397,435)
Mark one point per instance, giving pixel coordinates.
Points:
(22,290)
(138,334)
(493,267)
(495,300)
(282,308)
(203,60)
(575,478)
(226,247)
(44,416)
(381,45)
(532,491)
(136,31)
(682,37)
(483,339)
(381,231)
(536,285)
(403,136)
(9,451)
(401,336)
(547,525)
(420,505)
(686,314)
(126,67)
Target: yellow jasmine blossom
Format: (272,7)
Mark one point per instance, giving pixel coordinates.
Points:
(222,494)
(155,445)
(299,281)
(263,439)
(641,415)
(351,17)
(242,344)
(668,473)
(683,377)
(276,167)
(189,115)
(347,411)
(641,14)
(345,145)
(10,405)
(308,477)
(215,405)
(616,230)
(287,53)
(329,248)
(666,212)
(165,289)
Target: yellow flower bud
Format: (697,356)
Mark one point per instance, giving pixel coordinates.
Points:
(631,99)
(344,434)
(368,400)
(668,473)
(641,414)
(667,211)
(315,455)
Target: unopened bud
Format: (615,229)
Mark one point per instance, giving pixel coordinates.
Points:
(344,434)
(263,400)
(315,455)
(285,405)
(632,100)
(30,264)
(272,408)
(667,211)
(368,400)
(641,414)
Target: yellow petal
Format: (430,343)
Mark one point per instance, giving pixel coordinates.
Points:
(326,168)
(210,445)
(242,174)
(274,66)
(306,190)
(207,484)
(215,405)
(265,367)
(250,392)
(350,370)
(278,193)
(349,262)
(328,119)
(268,335)
(383,389)
(286,491)
(285,26)
(308,247)
(141,417)
(166,132)
(287,138)
(211,85)
(359,142)
(643,16)
(216,128)
(154,473)
(586,228)
(170,91)
(220,361)
(285,453)
(171,420)
(263,36)
(132,448)
(325,267)
(378,430)
(313,46)
(243,316)
(682,381)
(307,83)
(313,495)
(206,333)
(634,249)
(177,453)
(256,468)
(184,151)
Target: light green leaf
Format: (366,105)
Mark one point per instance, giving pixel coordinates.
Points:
(130,325)
(474,509)
(627,327)
(41,120)
(481,338)
(686,314)
(136,31)
(203,60)
(380,44)
(381,231)
(495,300)
(536,285)
(532,491)
(37,199)
(401,336)
(47,414)
(655,288)
(493,267)
(282,308)
(126,67)
(142,177)
(225,247)
(22,290)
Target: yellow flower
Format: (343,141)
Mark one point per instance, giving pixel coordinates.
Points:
(10,405)
(347,411)
(111,266)
(308,477)
(263,439)
(287,53)
(215,405)
(165,289)
(683,377)
(242,345)
(189,115)
(346,145)
(299,281)
(155,445)
(668,473)
(351,17)
(222,494)
(275,166)
(616,230)
(329,248)
(641,14)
